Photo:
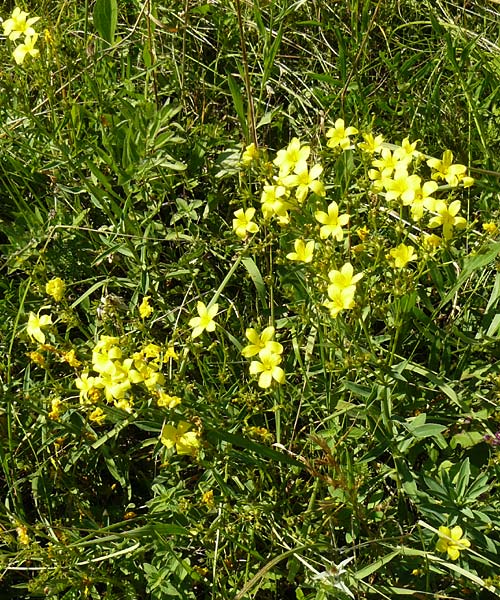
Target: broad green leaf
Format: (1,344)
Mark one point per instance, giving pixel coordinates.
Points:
(106,18)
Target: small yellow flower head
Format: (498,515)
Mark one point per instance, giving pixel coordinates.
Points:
(293,156)
(340,299)
(490,228)
(70,358)
(166,401)
(28,47)
(35,324)
(205,320)
(97,416)
(371,145)
(445,169)
(151,351)
(447,217)
(363,232)
(344,278)
(451,541)
(184,441)
(170,353)
(55,409)
(38,359)
(22,535)
(268,368)
(243,224)
(331,222)
(208,498)
(145,309)
(339,135)
(19,25)
(260,342)
(303,252)
(250,154)
(402,255)
(305,180)
(55,288)
(431,242)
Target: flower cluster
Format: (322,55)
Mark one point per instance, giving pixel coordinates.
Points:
(269,354)
(19,25)
(115,376)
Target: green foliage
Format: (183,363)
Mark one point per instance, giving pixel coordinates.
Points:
(139,461)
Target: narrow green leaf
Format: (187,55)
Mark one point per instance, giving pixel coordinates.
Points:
(239,104)
(106,18)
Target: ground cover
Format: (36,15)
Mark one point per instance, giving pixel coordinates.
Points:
(250,296)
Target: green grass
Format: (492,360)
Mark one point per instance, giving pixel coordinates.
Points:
(120,172)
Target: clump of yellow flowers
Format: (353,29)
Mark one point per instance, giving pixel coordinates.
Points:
(19,25)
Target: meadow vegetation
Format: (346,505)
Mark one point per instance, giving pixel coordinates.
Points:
(249,299)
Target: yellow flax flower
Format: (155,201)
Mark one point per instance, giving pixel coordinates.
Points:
(250,154)
(260,342)
(166,401)
(447,217)
(371,144)
(243,224)
(55,288)
(267,368)
(340,299)
(491,228)
(445,169)
(303,252)
(452,541)
(339,135)
(35,324)
(19,25)
(331,222)
(293,156)
(97,416)
(273,200)
(402,255)
(205,319)
(343,279)
(28,47)
(305,180)
(184,441)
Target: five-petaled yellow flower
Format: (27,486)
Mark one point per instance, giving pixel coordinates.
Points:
(331,222)
(28,47)
(19,25)
(451,541)
(243,224)
(35,324)
(402,255)
(303,252)
(260,342)
(339,135)
(185,442)
(447,217)
(205,320)
(267,368)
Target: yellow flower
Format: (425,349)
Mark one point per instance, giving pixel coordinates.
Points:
(35,324)
(340,299)
(303,252)
(145,309)
(294,155)
(151,350)
(371,145)
(259,342)
(331,222)
(70,358)
(243,224)
(490,228)
(166,401)
(268,368)
(170,353)
(339,135)
(208,498)
(19,25)
(55,288)
(97,416)
(28,47)
(344,278)
(185,442)
(423,199)
(362,233)
(385,165)
(88,387)
(431,242)
(205,320)
(250,154)
(407,150)
(38,359)
(402,186)
(445,169)
(446,216)
(273,200)
(22,535)
(55,409)
(402,255)
(451,541)
(304,180)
